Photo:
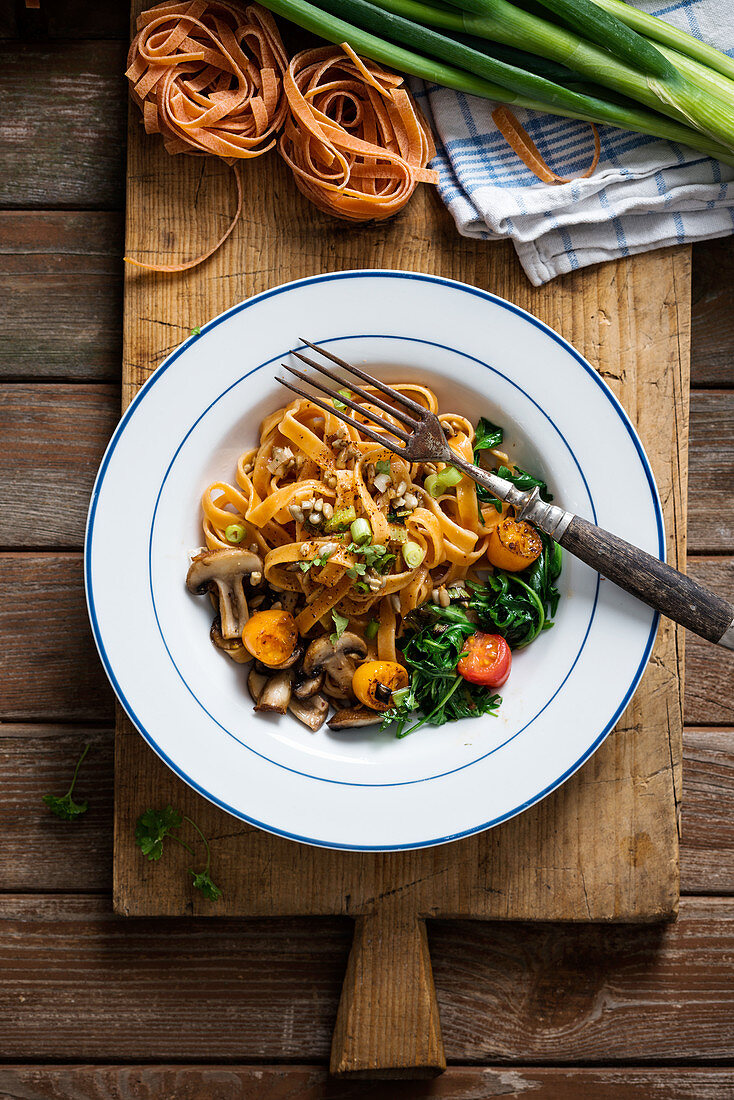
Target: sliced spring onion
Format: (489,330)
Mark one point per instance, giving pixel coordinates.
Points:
(234,533)
(340,404)
(370,631)
(436,484)
(399,696)
(361,532)
(413,554)
(449,476)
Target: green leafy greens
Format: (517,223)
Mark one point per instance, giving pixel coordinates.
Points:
(519,605)
(154,826)
(431,648)
(63,806)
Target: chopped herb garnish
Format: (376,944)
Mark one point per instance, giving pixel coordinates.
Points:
(196,331)
(341,622)
(383,466)
(317,562)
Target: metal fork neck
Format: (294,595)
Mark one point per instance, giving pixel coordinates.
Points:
(546,517)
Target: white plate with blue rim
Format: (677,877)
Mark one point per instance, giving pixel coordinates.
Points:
(366,790)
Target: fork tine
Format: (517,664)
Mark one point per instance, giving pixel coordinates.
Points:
(348,401)
(388,444)
(371,397)
(369,378)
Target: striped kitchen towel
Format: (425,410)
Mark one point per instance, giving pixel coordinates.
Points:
(644,194)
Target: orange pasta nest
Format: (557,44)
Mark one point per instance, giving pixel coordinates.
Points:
(310,463)
(208,77)
(354,137)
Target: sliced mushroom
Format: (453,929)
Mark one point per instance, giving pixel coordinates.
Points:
(222,572)
(256,681)
(351,717)
(233,647)
(276,695)
(337,661)
(312,712)
(305,686)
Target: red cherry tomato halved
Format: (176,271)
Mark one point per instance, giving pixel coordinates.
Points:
(485,659)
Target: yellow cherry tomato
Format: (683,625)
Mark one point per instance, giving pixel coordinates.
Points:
(271,636)
(514,545)
(374,682)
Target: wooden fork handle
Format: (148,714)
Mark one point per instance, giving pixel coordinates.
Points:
(655,583)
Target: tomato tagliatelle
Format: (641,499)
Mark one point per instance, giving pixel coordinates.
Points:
(311,478)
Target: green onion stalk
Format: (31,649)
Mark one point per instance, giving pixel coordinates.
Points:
(375,29)
(610,53)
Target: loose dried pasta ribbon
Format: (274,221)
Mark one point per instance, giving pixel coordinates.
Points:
(208,76)
(354,137)
(520,141)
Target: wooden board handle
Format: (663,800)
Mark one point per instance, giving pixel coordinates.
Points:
(387,1025)
(655,583)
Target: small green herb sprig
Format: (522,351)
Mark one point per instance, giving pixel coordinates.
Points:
(317,562)
(63,806)
(341,622)
(155,826)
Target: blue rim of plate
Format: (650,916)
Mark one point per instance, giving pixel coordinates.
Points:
(145,390)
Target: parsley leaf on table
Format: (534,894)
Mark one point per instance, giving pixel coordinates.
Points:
(154,826)
(63,806)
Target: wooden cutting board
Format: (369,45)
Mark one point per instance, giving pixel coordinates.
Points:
(605,846)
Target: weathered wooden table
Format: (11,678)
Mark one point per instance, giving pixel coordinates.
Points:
(94,1006)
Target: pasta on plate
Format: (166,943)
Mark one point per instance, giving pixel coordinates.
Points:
(348,540)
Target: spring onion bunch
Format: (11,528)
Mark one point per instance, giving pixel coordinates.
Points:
(596,60)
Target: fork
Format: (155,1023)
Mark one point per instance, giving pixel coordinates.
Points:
(422,439)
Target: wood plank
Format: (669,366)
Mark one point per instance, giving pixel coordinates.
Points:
(712,316)
(63,19)
(41,854)
(46,470)
(49,668)
(39,851)
(77,978)
(63,141)
(711,471)
(52,584)
(60,295)
(38,452)
(63,270)
(266,1082)
(707,844)
(709,681)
